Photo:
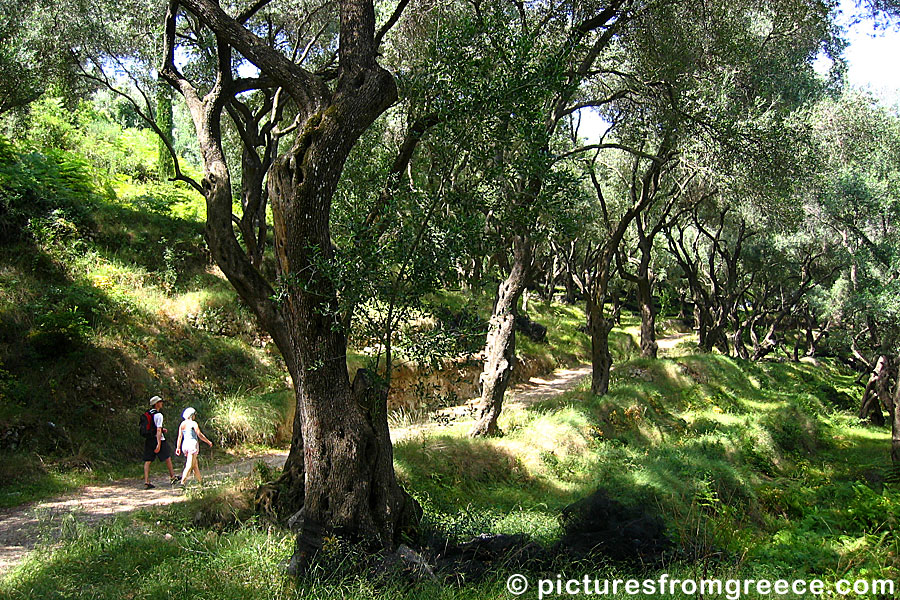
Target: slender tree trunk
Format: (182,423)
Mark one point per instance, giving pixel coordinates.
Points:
(475,275)
(550,282)
(740,349)
(601,358)
(700,324)
(253,200)
(643,280)
(883,389)
(165,166)
(895,423)
(500,350)
(810,338)
(870,407)
(648,317)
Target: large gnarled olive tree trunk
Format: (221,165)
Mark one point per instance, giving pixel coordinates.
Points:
(340,468)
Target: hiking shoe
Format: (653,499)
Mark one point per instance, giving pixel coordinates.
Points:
(175,480)
(149,486)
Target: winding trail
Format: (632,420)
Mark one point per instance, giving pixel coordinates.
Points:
(21,527)
(536,389)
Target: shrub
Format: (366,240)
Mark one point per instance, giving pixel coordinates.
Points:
(44,194)
(254,419)
(59,332)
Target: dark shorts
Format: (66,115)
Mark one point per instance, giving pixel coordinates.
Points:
(164,450)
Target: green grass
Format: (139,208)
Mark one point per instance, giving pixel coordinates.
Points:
(755,467)
(566,344)
(732,454)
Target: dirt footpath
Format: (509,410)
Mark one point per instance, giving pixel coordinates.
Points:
(534,390)
(20,527)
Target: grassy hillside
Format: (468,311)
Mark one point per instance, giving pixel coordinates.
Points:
(758,470)
(108,296)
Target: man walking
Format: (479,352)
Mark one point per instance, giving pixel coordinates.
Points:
(155,444)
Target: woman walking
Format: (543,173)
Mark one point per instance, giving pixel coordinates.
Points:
(189,436)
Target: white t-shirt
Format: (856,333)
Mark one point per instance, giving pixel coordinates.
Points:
(158,421)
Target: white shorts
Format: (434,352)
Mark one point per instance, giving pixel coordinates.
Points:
(190,447)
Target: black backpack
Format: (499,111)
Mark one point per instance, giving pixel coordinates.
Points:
(148,427)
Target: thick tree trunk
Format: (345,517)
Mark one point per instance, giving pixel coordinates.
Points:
(706,329)
(812,338)
(721,338)
(350,488)
(770,342)
(284,497)
(500,350)
(341,462)
(712,332)
(571,291)
(601,359)
(349,483)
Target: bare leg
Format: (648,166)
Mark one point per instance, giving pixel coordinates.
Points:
(171,470)
(197,469)
(147,471)
(187,467)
